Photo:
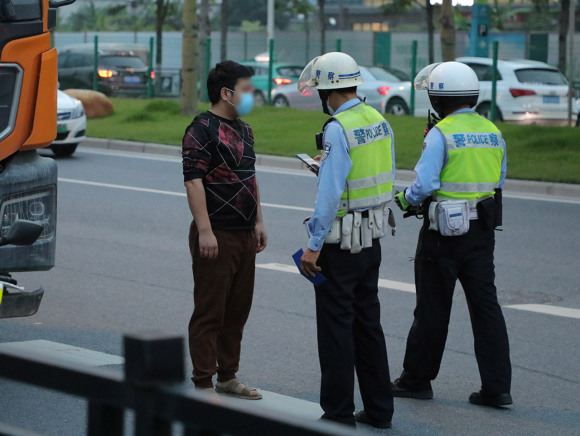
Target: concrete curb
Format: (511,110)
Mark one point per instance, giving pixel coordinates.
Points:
(530,187)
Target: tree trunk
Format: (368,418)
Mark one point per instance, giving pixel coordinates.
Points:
(430,30)
(322,20)
(204,33)
(189,55)
(447,31)
(562,34)
(224,31)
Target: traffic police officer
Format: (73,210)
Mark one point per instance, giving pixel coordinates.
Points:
(354,186)
(463,165)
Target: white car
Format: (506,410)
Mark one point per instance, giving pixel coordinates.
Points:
(528,92)
(71,125)
(384,89)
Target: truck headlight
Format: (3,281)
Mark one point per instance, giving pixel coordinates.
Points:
(10,82)
(38,205)
(78,110)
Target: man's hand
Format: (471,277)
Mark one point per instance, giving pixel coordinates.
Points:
(308,262)
(401,201)
(208,246)
(261,237)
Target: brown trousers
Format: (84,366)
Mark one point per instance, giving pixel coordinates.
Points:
(222,295)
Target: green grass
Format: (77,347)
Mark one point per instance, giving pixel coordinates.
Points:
(534,152)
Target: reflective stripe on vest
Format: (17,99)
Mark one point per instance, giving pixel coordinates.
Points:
(370,180)
(475,151)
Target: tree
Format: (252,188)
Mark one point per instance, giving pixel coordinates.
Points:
(401,6)
(189,58)
(322,19)
(447,21)
(562,33)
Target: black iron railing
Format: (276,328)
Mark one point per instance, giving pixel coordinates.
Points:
(152,386)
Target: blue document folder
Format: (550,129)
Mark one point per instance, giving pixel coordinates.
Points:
(318,279)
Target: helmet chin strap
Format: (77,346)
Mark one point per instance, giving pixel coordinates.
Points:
(324,94)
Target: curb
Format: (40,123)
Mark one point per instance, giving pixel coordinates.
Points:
(530,187)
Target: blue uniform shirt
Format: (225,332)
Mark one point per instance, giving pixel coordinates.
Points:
(432,161)
(334,169)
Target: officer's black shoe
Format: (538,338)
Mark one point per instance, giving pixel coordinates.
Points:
(400,390)
(363,418)
(482,399)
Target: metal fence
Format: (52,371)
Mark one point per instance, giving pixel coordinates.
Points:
(151,387)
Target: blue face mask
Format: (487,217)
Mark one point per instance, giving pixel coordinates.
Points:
(246,103)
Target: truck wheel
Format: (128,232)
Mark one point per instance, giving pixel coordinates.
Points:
(63,150)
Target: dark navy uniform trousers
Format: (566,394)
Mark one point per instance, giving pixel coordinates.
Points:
(439,262)
(350,335)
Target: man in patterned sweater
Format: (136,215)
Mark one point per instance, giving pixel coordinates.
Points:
(227,229)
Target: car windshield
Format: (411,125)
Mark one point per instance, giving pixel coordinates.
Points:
(382,75)
(540,75)
(122,61)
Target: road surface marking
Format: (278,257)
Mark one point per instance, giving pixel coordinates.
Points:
(383,283)
(547,309)
(66,352)
(175,194)
(306,173)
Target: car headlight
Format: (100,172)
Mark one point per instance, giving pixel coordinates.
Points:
(38,205)
(78,110)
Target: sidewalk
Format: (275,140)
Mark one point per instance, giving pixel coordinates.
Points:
(404,177)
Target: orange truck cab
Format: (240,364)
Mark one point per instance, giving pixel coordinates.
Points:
(28,182)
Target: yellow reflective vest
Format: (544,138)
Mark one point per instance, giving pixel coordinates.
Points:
(475,150)
(370,180)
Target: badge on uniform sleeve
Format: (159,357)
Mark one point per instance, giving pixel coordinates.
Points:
(326,150)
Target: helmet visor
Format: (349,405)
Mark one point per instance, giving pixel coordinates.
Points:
(307,79)
(422,78)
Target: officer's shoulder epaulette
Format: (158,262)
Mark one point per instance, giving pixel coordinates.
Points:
(328,121)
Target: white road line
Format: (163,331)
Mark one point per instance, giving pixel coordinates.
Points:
(383,283)
(66,352)
(162,192)
(306,173)
(547,309)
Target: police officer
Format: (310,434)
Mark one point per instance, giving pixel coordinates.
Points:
(354,186)
(458,182)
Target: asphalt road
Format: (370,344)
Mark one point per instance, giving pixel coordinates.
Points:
(123,266)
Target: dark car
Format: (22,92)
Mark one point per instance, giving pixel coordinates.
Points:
(121,69)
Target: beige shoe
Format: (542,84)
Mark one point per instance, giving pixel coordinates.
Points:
(235,388)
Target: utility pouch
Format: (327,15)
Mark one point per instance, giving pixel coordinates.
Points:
(356,246)
(366,231)
(432,215)
(486,212)
(346,231)
(453,217)
(377,215)
(498,207)
(334,236)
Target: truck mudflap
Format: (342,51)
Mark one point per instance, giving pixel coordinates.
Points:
(19,303)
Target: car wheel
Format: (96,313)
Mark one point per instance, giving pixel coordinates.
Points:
(281,101)
(397,106)
(578,120)
(64,149)
(259,99)
(484,109)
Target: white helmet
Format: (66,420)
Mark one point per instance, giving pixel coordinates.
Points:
(448,84)
(333,70)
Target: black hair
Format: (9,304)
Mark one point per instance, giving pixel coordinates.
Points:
(348,90)
(444,105)
(225,75)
